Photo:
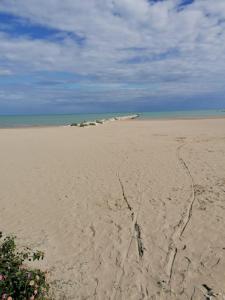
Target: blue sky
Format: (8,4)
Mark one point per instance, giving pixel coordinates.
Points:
(111,55)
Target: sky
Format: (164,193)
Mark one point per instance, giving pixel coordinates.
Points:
(111,55)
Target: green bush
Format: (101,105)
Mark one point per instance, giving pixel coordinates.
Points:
(17,280)
(74,124)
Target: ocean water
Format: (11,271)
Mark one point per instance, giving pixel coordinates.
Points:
(51,120)
(67,119)
(184,114)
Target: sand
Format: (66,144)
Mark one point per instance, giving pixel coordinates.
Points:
(124,210)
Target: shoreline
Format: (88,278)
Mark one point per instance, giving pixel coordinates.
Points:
(213,117)
(138,119)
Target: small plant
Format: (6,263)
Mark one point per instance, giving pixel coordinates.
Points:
(74,124)
(17,280)
(92,124)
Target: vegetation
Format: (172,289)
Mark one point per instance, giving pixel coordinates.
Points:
(17,280)
(74,124)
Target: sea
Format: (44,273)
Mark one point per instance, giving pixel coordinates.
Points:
(7,121)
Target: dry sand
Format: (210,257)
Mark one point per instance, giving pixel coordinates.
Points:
(126,210)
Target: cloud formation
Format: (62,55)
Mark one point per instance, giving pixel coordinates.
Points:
(105,54)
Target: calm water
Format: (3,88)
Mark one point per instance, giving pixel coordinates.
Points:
(51,120)
(184,114)
(66,119)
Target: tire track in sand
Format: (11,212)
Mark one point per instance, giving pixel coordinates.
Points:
(136,233)
(185,219)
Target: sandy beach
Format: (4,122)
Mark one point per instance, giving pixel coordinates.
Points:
(126,210)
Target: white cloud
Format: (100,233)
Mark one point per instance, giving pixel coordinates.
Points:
(5,72)
(180,50)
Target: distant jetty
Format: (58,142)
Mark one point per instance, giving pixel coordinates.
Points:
(102,121)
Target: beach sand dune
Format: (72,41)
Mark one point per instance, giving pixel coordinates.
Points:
(127,210)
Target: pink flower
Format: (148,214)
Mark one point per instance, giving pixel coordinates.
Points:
(2,277)
(4,296)
(9,298)
(32,298)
